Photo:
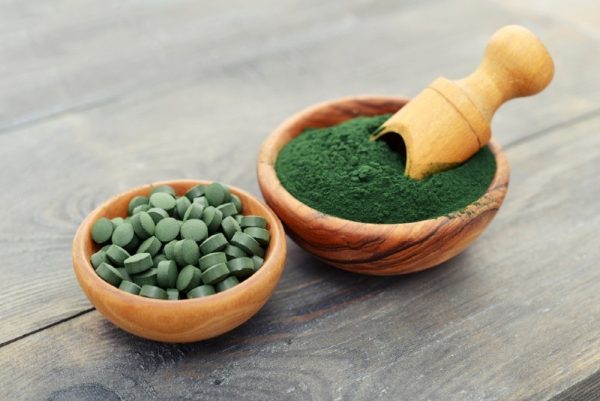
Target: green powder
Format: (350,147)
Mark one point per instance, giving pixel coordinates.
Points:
(339,171)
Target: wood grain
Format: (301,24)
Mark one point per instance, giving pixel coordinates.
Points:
(377,249)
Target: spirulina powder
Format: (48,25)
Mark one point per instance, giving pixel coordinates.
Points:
(340,172)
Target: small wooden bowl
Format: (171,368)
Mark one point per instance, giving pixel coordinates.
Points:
(375,249)
(183,320)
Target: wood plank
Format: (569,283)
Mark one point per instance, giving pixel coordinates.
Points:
(515,317)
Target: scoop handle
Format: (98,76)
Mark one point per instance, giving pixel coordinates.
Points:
(515,64)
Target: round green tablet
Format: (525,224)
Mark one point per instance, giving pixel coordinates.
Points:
(172,294)
(124,273)
(147,277)
(150,245)
(163,200)
(186,252)
(181,205)
(140,208)
(167,229)
(232,252)
(247,244)
(98,258)
(194,229)
(237,202)
(230,226)
(143,225)
(201,291)
(214,243)
(261,235)
(166,274)
(123,235)
(158,258)
(195,192)
(109,274)
(188,278)
(228,283)
(102,230)
(151,291)
(201,201)
(157,214)
(216,194)
(194,211)
(241,267)
(258,262)
(163,188)
(211,259)
(117,221)
(215,273)
(135,202)
(253,221)
(138,263)
(130,287)
(227,209)
(212,218)
(116,254)
(170,250)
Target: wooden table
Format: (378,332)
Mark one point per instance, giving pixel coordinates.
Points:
(97,97)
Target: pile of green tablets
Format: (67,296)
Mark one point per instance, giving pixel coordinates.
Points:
(174,247)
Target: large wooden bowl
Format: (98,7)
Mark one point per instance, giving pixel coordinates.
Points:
(376,249)
(183,320)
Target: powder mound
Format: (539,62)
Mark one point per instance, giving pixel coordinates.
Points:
(339,171)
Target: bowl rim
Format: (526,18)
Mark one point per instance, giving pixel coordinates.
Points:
(82,264)
(267,158)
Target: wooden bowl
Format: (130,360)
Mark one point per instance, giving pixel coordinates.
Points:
(183,320)
(375,249)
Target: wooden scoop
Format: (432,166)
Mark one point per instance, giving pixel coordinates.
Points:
(449,121)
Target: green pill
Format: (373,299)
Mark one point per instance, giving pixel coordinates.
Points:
(146,278)
(212,259)
(130,287)
(164,201)
(151,291)
(116,254)
(201,291)
(140,262)
(102,230)
(193,212)
(215,274)
(237,202)
(163,188)
(135,202)
(172,294)
(150,245)
(238,218)
(166,274)
(186,252)
(232,252)
(109,274)
(123,235)
(170,250)
(181,205)
(143,225)
(212,218)
(216,194)
(157,259)
(157,214)
(261,235)
(227,209)
(241,267)
(188,278)
(201,201)
(124,273)
(167,229)
(194,229)
(140,208)
(253,221)
(230,226)
(247,244)
(195,192)
(117,221)
(214,243)
(258,262)
(98,258)
(228,283)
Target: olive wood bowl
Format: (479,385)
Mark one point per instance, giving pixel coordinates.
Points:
(182,320)
(374,249)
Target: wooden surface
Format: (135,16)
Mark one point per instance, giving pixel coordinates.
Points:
(98,97)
